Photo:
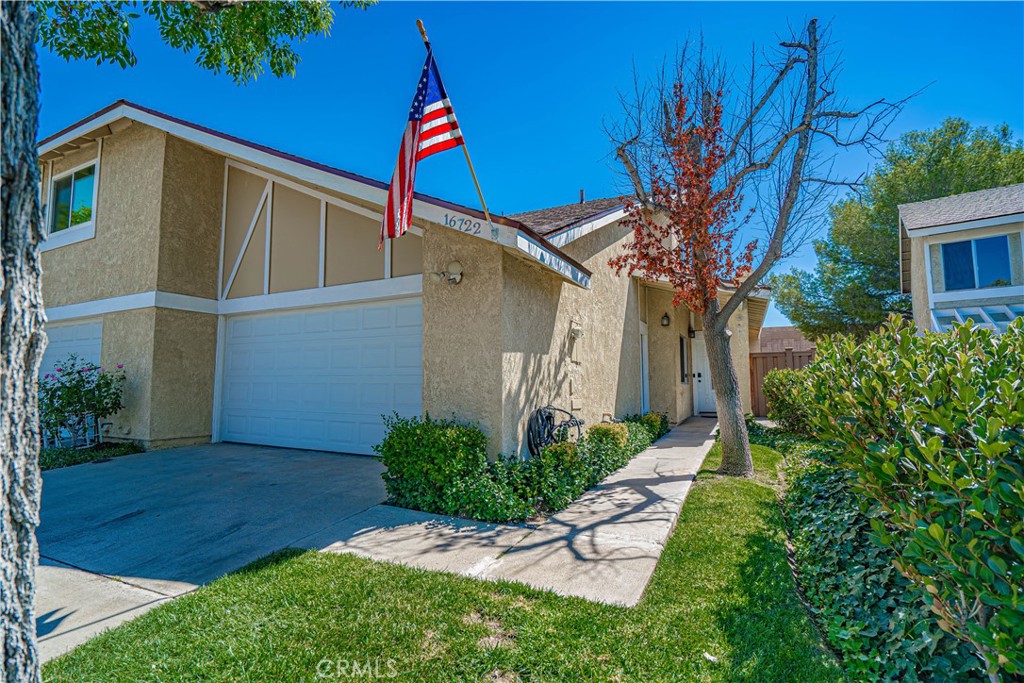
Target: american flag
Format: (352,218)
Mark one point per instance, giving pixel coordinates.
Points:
(432,128)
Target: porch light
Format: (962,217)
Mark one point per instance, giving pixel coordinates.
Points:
(665,320)
(690,333)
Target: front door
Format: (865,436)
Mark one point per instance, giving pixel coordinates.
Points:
(703,391)
(645,366)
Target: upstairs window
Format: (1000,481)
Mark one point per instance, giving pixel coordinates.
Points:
(976,264)
(72,196)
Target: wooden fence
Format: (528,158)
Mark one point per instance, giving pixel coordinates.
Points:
(762,362)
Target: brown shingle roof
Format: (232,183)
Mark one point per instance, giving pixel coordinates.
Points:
(557,218)
(961,208)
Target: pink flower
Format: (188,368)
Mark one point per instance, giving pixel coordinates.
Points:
(60,369)
(120,366)
(48,375)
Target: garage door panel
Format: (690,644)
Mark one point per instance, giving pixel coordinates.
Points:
(322,378)
(85,339)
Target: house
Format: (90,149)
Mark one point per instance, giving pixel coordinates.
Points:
(782,337)
(960,258)
(244,292)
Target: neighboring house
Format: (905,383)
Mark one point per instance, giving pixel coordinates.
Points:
(781,338)
(244,292)
(960,258)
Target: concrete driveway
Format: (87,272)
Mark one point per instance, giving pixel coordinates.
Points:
(120,537)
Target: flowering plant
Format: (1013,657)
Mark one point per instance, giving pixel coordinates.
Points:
(76,396)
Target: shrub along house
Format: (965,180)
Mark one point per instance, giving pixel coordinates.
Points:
(243,290)
(961,258)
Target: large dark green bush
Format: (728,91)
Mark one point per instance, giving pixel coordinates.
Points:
(656,423)
(441,466)
(785,392)
(868,611)
(932,428)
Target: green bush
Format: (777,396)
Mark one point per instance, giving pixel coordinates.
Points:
(869,613)
(612,433)
(932,427)
(785,391)
(76,397)
(425,457)
(441,466)
(57,457)
(656,423)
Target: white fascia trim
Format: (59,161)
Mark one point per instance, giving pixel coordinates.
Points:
(969,225)
(63,238)
(129,302)
(372,290)
(571,235)
(548,259)
(1011,293)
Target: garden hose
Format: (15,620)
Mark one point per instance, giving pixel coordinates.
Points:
(544,429)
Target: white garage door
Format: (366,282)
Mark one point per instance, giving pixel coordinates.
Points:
(321,378)
(84,338)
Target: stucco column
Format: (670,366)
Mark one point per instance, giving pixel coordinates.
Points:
(462,332)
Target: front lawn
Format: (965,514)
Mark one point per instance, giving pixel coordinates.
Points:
(722,591)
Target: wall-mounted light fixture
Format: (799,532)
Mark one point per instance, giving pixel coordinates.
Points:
(690,332)
(451,275)
(665,320)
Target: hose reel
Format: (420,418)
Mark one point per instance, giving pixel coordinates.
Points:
(547,426)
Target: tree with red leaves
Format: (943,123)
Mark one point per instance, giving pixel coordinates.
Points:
(689,166)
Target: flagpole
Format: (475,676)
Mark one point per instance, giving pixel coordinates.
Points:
(465,148)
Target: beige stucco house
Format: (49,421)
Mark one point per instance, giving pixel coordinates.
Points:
(243,290)
(961,258)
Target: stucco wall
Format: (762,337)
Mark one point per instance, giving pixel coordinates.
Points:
(184,353)
(122,257)
(190,217)
(128,338)
(462,331)
(596,376)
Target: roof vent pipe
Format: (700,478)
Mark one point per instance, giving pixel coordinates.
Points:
(582,198)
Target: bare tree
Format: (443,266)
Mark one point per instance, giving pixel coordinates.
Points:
(708,154)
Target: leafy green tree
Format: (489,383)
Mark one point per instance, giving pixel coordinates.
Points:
(241,39)
(856,282)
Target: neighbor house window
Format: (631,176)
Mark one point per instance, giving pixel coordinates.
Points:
(683,375)
(71,199)
(976,264)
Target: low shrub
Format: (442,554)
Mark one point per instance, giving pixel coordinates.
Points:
(425,457)
(612,433)
(932,428)
(656,423)
(441,466)
(75,398)
(869,613)
(786,394)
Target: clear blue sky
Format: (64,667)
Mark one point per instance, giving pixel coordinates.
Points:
(533,82)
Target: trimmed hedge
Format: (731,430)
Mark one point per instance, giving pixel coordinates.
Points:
(441,466)
(869,613)
(786,393)
(932,428)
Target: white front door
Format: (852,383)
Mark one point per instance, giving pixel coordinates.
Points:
(645,371)
(321,378)
(703,391)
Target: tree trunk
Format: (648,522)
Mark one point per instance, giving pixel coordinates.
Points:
(21,341)
(736,460)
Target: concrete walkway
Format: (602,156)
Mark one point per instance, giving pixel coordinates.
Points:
(604,547)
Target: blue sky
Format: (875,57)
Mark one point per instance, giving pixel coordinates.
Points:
(532,83)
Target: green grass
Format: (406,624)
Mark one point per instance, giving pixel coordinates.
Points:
(55,458)
(722,587)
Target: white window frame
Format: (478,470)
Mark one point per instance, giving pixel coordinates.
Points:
(962,294)
(82,231)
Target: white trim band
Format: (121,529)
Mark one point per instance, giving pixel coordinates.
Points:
(372,290)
